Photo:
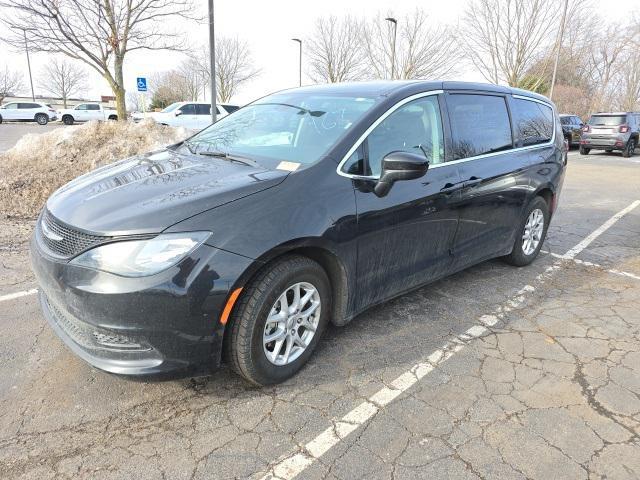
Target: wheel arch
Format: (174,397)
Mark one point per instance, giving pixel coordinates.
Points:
(319,252)
(548,194)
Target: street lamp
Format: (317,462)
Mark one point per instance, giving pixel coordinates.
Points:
(212,63)
(393,53)
(299,60)
(26,50)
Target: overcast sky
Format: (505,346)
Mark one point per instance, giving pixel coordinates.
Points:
(268,27)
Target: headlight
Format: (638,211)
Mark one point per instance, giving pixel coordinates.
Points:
(138,258)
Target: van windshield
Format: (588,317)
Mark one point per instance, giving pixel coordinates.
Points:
(607,120)
(293,127)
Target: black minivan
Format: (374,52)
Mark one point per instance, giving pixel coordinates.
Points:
(305,207)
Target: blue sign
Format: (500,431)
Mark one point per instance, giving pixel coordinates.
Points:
(142,84)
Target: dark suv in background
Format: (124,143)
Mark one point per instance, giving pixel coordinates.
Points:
(571,129)
(611,131)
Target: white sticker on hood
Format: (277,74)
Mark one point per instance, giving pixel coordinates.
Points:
(288,166)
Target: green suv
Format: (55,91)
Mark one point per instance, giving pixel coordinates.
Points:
(611,131)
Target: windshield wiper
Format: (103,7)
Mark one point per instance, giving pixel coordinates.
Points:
(231,158)
(302,110)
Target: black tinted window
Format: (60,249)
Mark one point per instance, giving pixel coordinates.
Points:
(93,107)
(28,105)
(188,109)
(231,108)
(203,109)
(480,124)
(565,120)
(534,122)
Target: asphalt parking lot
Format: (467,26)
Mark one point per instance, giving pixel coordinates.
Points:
(10,133)
(496,372)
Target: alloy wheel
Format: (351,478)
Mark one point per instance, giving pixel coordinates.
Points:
(533,232)
(291,324)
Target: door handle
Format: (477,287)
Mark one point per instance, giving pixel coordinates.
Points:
(471,182)
(450,187)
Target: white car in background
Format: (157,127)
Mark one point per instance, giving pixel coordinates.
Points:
(85,112)
(28,112)
(191,115)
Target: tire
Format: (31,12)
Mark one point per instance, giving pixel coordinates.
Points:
(608,150)
(41,118)
(584,151)
(244,346)
(112,117)
(67,120)
(518,257)
(0,118)
(629,150)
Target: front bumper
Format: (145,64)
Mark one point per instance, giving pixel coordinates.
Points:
(162,323)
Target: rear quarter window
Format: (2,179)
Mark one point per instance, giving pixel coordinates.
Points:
(480,124)
(533,122)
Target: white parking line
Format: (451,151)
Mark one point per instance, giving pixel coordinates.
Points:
(596,265)
(599,231)
(12,296)
(294,464)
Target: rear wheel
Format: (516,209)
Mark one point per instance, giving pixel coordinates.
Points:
(42,119)
(584,151)
(278,320)
(629,150)
(67,120)
(531,234)
(0,118)
(112,117)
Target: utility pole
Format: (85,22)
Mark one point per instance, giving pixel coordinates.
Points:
(393,47)
(212,63)
(558,47)
(299,61)
(26,50)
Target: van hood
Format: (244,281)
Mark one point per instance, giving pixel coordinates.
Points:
(151,192)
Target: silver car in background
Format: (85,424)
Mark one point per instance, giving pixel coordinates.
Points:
(611,131)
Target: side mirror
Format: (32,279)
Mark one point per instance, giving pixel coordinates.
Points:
(399,166)
(178,113)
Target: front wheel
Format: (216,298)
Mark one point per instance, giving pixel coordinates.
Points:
(67,120)
(278,320)
(630,148)
(42,119)
(584,151)
(531,233)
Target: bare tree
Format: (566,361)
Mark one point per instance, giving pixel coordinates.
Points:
(610,46)
(193,82)
(97,32)
(10,82)
(335,50)
(234,66)
(503,38)
(423,50)
(62,78)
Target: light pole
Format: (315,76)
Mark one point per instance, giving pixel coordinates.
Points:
(393,47)
(26,50)
(299,61)
(212,63)
(558,46)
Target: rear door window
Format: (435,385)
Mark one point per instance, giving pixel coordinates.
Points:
(533,121)
(479,123)
(203,109)
(93,107)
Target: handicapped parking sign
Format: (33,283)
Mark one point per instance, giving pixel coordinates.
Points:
(142,84)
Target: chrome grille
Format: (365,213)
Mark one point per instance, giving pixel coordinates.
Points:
(64,241)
